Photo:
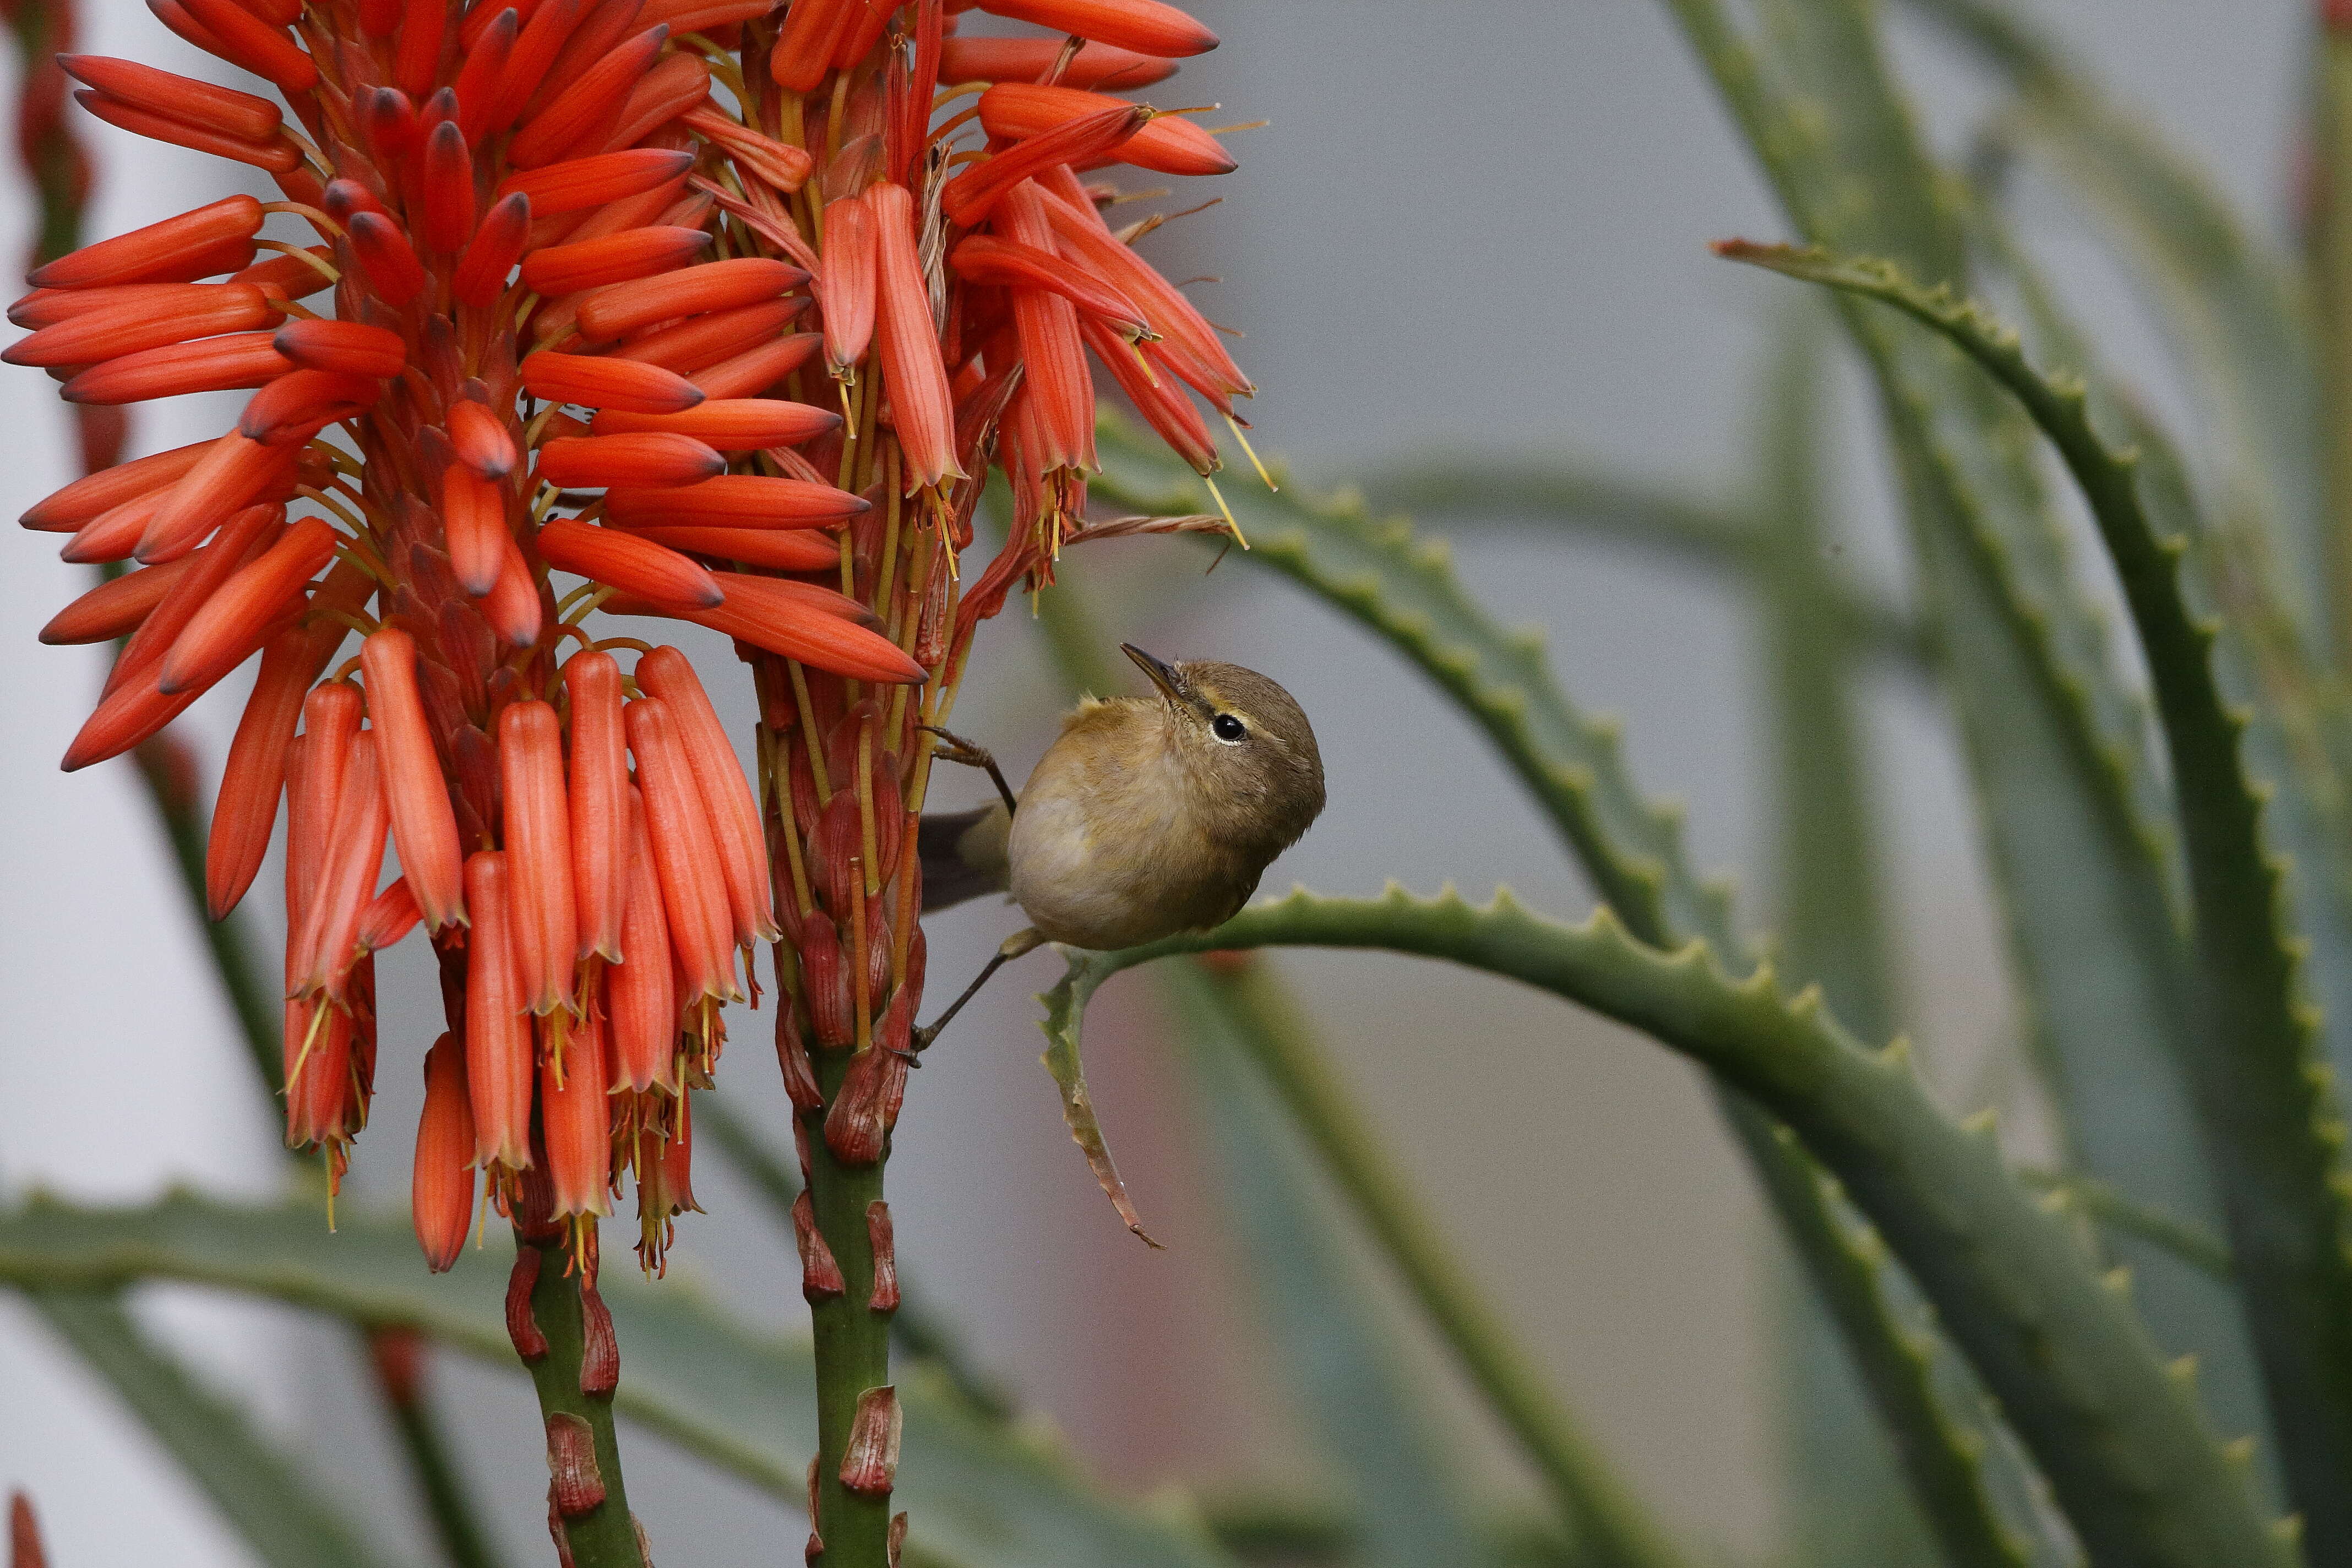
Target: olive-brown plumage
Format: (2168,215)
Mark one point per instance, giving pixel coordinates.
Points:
(1147,816)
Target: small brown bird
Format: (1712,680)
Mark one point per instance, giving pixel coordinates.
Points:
(1148,816)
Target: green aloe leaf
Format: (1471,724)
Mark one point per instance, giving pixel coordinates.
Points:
(980,1492)
(1404,589)
(1585,500)
(2079,836)
(282,1513)
(2230,302)
(2126,1450)
(1369,1418)
(2274,1127)
(1848,1504)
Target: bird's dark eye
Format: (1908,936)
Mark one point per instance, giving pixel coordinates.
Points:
(1225,727)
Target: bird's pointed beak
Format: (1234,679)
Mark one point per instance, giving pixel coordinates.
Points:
(1162,674)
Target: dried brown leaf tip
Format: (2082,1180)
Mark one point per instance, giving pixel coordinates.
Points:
(579,1485)
(869,1465)
(898,1537)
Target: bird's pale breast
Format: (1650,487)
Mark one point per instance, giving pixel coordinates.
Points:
(1104,854)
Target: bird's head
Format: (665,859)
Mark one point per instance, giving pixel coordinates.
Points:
(1249,753)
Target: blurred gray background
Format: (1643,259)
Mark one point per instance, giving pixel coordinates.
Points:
(1470,227)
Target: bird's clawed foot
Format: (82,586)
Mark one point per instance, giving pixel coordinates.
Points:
(1025,941)
(954,748)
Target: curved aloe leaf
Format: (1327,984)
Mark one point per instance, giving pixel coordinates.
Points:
(980,1492)
(1405,589)
(2273,1124)
(2232,305)
(1849,1505)
(283,1517)
(2120,1437)
(1577,498)
(2100,1202)
(1406,1499)
(2079,835)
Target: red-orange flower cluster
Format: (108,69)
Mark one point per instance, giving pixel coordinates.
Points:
(571,267)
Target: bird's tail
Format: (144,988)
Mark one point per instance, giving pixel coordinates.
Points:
(963,854)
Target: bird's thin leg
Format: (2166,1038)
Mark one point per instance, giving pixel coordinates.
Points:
(956,748)
(1024,941)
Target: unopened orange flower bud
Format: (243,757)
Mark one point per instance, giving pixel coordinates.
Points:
(1147,27)
(583,183)
(353,348)
(733,500)
(729,425)
(67,510)
(481,440)
(138,325)
(493,251)
(556,271)
(237,620)
(209,364)
(846,286)
(607,384)
(159,251)
(474,522)
(230,473)
(647,458)
(755,370)
(586,108)
(625,560)
(1098,67)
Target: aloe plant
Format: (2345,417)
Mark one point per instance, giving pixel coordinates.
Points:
(2138,1355)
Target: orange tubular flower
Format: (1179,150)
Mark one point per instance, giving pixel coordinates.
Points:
(498,1027)
(441,1202)
(726,794)
(424,825)
(615,258)
(640,988)
(575,1124)
(847,284)
(685,853)
(729,425)
(541,912)
(577,462)
(600,803)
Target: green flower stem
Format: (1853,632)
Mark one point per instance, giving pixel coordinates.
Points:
(2118,1434)
(913,1329)
(1612,1531)
(604,1536)
(853,1341)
